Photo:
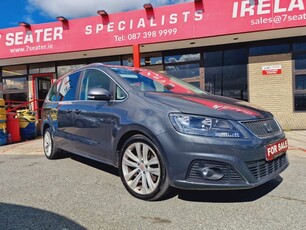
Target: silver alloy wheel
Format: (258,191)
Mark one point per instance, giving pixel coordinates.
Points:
(141,168)
(48,144)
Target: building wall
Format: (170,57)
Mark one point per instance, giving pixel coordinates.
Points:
(275,92)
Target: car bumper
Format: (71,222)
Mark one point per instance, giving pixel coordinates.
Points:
(240,162)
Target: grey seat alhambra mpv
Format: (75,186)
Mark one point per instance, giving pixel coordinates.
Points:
(161,132)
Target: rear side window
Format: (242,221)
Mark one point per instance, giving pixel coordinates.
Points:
(69,86)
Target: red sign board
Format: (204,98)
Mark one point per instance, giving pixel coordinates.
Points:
(168,23)
(272,70)
(276,149)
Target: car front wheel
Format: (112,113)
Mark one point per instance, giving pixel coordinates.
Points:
(142,169)
(51,152)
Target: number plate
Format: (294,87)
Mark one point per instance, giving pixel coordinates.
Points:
(276,149)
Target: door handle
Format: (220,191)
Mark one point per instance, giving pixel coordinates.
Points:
(77,111)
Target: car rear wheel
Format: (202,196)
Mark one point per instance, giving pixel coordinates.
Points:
(51,152)
(142,169)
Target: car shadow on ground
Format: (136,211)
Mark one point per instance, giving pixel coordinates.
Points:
(23,217)
(230,196)
(213,196)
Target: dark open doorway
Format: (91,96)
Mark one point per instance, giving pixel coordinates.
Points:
(41,85)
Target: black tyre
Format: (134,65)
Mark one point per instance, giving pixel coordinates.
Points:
(51,152)
(142,169)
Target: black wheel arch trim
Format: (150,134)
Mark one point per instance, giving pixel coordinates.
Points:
(134,130)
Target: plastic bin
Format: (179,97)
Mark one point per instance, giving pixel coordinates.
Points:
(2,122)
(2,106)
(3,138)
(13,130)
(27,123)
(2,115)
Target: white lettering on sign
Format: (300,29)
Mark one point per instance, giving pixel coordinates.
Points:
(36,36)
(276,149)
(141,23)
(152,24)
(271,69)
(272,150)
(173,18)
(110,27)
(246,8)
(121,25)
(144,23)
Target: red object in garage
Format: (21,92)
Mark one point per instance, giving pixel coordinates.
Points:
(12,125)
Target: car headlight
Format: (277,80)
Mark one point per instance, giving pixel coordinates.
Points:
(204,126)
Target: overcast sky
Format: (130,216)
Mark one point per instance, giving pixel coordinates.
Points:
(41,11)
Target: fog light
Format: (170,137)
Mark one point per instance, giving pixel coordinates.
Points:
(212,173)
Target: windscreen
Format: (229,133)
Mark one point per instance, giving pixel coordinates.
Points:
(150,81)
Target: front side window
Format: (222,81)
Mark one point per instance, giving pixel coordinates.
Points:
(68,88)
(53,93)
(94,78)
(120,94)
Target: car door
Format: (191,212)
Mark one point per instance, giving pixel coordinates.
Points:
(92,118)
(65,134)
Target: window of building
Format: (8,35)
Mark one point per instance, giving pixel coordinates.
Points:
(18,70)
(300,93)
(106,60)
(68,66)
(69,86)
(14,98)
(186,67)
(15,84)
(182,58)
(38,68)
(149,59)
(270,49)
(300,82)
(127,60)
(213,66)
(299,56)
(300,60)
(299,46)
(184,71)
(226,73)
(15,90)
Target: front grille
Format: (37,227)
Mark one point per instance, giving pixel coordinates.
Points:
(231,176)
(263,128)
(262,169)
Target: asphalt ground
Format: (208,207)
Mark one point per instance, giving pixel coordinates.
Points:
(76,193)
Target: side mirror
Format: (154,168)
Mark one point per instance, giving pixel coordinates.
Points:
(99,94)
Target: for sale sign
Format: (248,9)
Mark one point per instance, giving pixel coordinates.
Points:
(276,149)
